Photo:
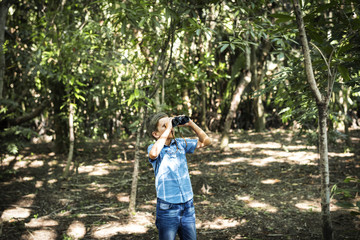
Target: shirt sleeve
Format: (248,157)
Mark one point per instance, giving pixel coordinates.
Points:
(148,150)
(190,145)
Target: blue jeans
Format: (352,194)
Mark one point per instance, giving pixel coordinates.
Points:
(175,218)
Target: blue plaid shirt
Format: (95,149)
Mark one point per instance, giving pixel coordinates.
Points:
(172,180)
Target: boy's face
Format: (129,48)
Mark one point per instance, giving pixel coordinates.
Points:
(161,127)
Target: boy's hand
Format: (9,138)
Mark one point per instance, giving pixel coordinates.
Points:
(169,124)
(186,124)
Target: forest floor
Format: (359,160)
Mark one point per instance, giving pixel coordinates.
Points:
(267,186)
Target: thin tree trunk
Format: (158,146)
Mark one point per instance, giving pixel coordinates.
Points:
(203,104)
(257,103)
(258,62)
(322,105)
(135,175)
(4,7)
(72,140)
(324,170)
(157,100)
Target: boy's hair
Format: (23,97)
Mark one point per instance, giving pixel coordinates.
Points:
(152,123)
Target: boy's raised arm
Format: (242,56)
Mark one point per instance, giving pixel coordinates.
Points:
(160,142)
(204,139)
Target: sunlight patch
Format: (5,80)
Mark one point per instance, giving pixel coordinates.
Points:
(15,213)
(228,161)
(36,164)
(7,160)
(270,181)
(20,164)
(309,206)
(333,154)
(41,222)
(218,223)
(195,172)
(97,170)
(139,224)
(52,181)
(263,206)
(40,235)
(39,184)
(76,230)
(123,197)
(263,162)
(112,229)
(28,178)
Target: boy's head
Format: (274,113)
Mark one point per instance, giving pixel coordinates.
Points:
(152,123)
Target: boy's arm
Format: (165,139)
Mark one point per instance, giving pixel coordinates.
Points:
(204,139)
(160,142)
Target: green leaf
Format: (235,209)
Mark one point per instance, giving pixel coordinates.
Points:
(344,72)
(224,47)
(281,17)
(131,98)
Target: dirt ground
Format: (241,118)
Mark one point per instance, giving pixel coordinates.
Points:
(267,186)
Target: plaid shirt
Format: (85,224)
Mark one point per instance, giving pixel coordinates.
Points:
(172,180)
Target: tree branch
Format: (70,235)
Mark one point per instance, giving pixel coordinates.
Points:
(29,116)
(306,51)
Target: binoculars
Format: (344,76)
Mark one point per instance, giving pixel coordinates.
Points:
(180,120)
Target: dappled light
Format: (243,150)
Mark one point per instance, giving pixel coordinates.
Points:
(195,172)
(123,197)
(251,202)
(219,223)
(138,224)
(270,181)
(99,169)
(306,205)
(261,205)
(228,161)
(41,222)
(20,210)
(40,235)
(76,230)
(246,190)
(36,164)
(269,89)
(15,213)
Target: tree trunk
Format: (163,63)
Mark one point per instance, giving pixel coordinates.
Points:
(258,106)
(157,100)
(235,100)
(71,140)
(135,176)
(258,62)
(324,170)
(4,7)
(245,80)
(322,105)
(203,104)
(60,125)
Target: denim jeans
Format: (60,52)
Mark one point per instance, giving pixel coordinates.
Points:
(175,218)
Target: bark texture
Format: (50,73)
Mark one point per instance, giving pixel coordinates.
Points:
(71,141)
(4,7)
(322,105)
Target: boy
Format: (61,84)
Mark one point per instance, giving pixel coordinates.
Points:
(175,211)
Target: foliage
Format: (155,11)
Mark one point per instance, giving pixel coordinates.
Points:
(110,59)
(346,194)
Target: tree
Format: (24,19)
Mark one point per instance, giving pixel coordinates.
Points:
(4,7)
(235,100)
(322,105)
